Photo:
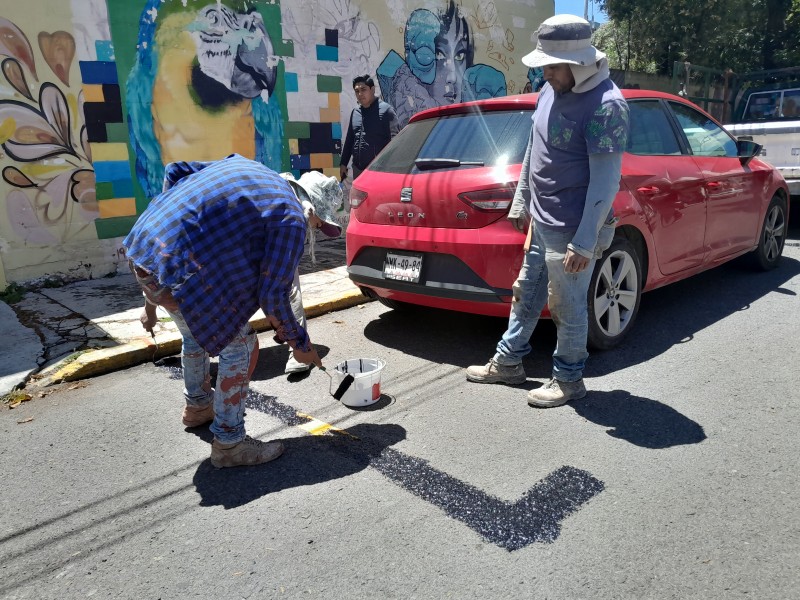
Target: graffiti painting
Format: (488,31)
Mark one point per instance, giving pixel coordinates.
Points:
(201,86)
(47,155)
(438,65)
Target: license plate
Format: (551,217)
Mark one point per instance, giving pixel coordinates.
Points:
(403,267)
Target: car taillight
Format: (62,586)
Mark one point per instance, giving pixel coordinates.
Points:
(356,197)
(493,200)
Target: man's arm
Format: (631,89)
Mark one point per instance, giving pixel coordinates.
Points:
(347,150)
(606,139)
(394,123)
(148,317)
(519,213)
(282,255)
(604,174)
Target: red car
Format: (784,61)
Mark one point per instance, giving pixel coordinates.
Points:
(428,217)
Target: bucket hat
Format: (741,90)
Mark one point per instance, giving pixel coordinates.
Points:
(321,194)
(563,39)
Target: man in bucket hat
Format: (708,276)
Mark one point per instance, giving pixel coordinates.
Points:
(223,239)
(570,175)
(319,196)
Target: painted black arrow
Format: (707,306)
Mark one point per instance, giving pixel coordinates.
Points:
(535,517)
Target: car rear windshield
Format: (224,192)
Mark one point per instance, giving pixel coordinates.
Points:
(479,138)
(773,105)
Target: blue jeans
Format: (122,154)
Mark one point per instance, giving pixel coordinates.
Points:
(541,281)
(236,362)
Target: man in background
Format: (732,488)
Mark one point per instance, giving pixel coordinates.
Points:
(372,124)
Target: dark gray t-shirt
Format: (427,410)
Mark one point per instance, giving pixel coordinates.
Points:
(566,129)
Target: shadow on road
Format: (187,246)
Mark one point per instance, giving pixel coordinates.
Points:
(307,460)
(640,421)
(668,316)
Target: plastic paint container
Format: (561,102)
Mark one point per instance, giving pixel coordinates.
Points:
(366,386)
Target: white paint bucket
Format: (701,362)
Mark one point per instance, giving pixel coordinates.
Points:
(366,386)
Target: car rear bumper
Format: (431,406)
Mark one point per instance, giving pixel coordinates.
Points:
(461,270)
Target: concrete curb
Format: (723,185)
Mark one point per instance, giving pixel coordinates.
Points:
(141,350)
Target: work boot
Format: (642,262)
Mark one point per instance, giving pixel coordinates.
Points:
(494,372)
(246,452)
(555,393)
(194,416)
(295,366)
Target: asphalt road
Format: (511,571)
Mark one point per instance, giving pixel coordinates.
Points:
(675,478)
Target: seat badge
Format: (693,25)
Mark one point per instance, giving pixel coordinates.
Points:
(405,195)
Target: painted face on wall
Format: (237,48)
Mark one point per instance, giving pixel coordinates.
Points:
(452,48)
(235,50)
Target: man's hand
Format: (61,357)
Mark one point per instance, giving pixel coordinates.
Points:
(307,358)
(148,317)
(343,172)
(574,262)
(519,223)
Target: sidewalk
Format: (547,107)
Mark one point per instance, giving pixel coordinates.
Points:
(87,328)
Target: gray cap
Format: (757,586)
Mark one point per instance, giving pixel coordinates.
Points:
(323,195)
(563,39)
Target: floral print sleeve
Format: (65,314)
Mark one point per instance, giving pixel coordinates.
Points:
(607,129)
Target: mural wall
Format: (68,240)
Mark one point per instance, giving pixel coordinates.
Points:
(50,205)
(87,125)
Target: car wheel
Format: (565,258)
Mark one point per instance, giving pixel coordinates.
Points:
(614,294)
(768,253)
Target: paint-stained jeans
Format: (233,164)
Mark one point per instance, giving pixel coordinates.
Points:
(541,281)
(236,363)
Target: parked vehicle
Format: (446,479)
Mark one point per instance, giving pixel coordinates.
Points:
(770,116)
(428,221)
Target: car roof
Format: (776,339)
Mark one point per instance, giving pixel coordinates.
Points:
(523,102)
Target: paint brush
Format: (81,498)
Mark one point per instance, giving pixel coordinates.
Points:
(155,345)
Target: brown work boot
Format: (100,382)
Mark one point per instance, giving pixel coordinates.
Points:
(555,393)
(246,452)
(494,372)
(194,416)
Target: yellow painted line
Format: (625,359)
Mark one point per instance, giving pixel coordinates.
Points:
(317,427)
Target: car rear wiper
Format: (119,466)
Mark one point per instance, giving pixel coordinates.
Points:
(444,163)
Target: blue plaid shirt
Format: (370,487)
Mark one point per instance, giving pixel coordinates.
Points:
(226,238)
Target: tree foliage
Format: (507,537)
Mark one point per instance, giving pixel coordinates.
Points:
(742,35)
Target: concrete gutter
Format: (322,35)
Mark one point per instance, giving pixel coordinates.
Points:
(323,292)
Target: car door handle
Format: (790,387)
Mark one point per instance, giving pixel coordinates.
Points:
(648,190)
(713,185)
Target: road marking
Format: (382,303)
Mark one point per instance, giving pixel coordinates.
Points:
(317,427)
(535,517)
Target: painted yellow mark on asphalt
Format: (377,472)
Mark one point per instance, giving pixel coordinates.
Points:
(317,427)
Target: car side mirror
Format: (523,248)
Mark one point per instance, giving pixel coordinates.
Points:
(746,150)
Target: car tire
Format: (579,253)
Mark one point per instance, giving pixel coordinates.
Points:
(767,254)
(614,294)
